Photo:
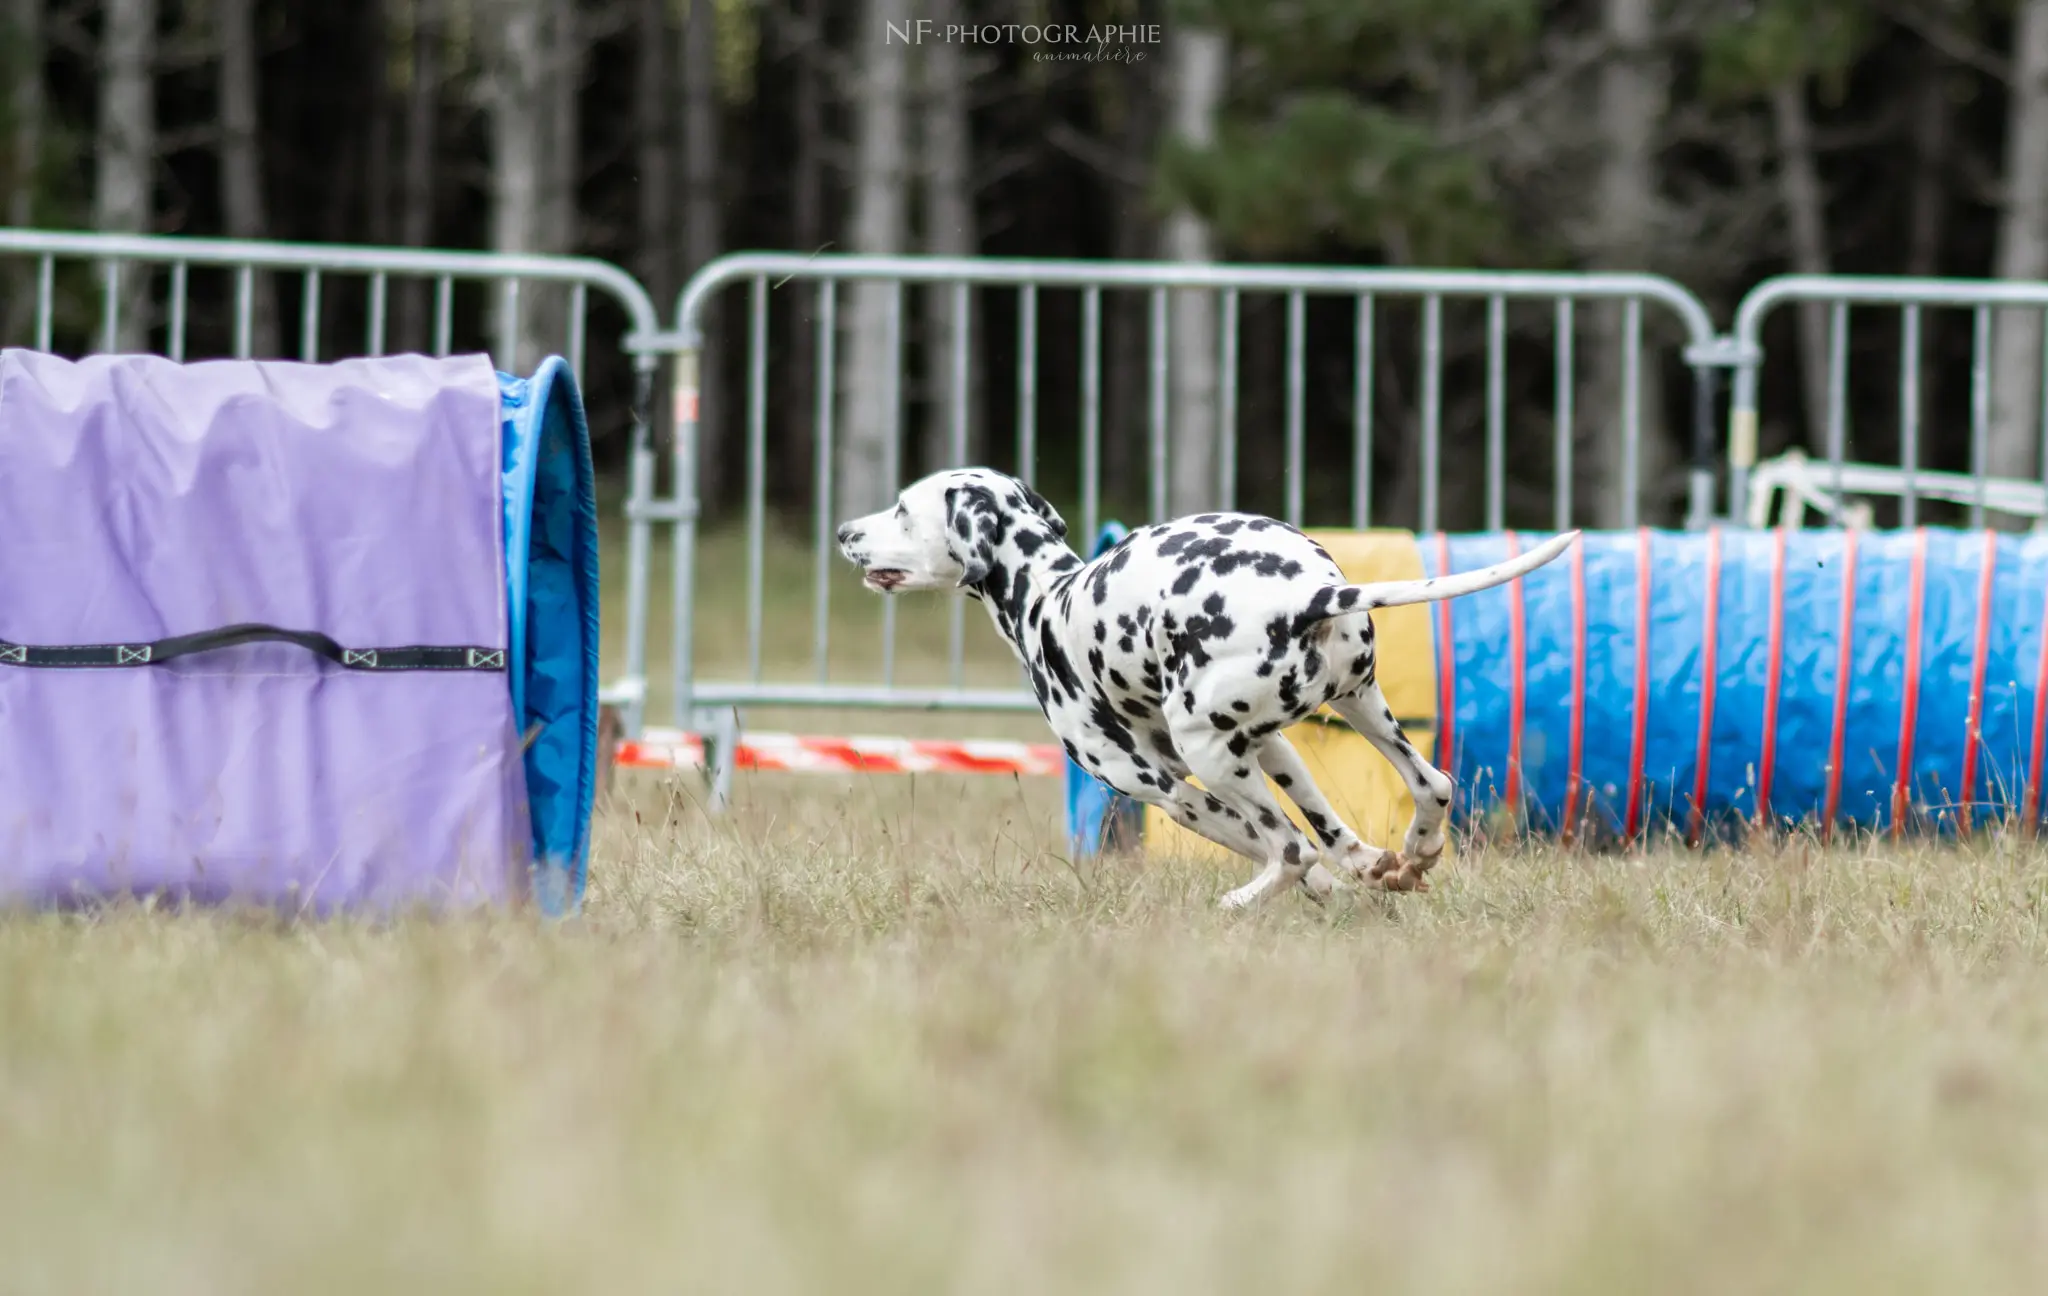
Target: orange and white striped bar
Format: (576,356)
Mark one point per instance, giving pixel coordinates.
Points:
(814,754)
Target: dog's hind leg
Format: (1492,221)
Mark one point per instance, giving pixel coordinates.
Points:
(1431,788)
(1369,864)
(1287,853)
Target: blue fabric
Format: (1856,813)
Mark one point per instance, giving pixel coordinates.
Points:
(553,602)
(1810,661)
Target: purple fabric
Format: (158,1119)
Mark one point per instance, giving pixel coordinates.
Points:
(141,499)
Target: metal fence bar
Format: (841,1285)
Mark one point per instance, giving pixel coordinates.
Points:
(757,466)
(309,318)
(46,301)
(1432,405)
(958,393)
(892,456)
(579,307)
(1566,378)
(379,296)
(1155,403)
(1027,383)
(1361,413)
(444,315)
(2042,426)
(1496,413)
(1091,413)
(1838,395)
(508,325)
(180,300)
(1226,399)
(1909,414)
(824,403)
(1631,410)
(245,309)
(1297,394)
(1980,406)
(110,308)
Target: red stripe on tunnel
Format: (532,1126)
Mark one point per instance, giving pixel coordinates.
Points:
(1909,703)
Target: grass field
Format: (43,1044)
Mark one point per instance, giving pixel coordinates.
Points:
(877,1035)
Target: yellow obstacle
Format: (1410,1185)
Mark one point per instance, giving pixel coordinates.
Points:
(1359,782)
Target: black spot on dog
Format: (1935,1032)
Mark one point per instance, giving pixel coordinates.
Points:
(1240,706)
(1186,580)
(1221,721)
(1242,771)
(1284,780)
(1215,806)
(1292,853)
(1349,598)
(1267,819)
(1187,702)
(1136,710)
(1117,679)
(1240,744)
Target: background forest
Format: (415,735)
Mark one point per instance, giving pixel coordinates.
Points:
(1715,141)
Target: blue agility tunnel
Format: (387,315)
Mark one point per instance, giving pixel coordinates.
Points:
(320,637)
(1892,680)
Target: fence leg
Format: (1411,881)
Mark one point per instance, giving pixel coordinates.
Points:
(723,754)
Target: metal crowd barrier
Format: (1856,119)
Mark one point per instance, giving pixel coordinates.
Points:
(1910,296)
(716,698)
(131,268)
(127,263)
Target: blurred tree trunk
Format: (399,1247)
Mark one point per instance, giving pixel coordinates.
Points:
(1632,90)
(377,171)
(2022,251)
(565,45)
(879,201)
(1128,96)
(718,447)
(561,230)
(801,38)
(653,141)
(22,28)
(950,229)
(515,81)
(1933,124)
(125,149)
(1198,71)
(241,159)
(422,154)
(1800,190)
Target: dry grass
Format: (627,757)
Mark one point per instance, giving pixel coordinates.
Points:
(871,1037)
(881,1036)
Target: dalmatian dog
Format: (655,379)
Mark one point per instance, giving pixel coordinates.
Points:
(1185,651)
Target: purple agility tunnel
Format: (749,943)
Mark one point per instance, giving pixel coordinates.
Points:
(310,637)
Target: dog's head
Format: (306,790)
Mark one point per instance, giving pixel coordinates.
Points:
(950,531)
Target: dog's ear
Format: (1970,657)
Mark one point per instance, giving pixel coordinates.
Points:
(965,540)
(1048,512)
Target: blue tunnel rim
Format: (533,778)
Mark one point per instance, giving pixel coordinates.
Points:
(535,412)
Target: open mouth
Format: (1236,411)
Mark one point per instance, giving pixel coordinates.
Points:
(884,579)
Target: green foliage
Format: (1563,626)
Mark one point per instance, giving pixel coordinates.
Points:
(1775,41)
(1328,167)
(1344,126)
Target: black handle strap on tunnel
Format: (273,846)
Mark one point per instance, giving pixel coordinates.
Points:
(113,656)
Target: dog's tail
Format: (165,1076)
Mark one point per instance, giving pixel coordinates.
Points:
(1339,600)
